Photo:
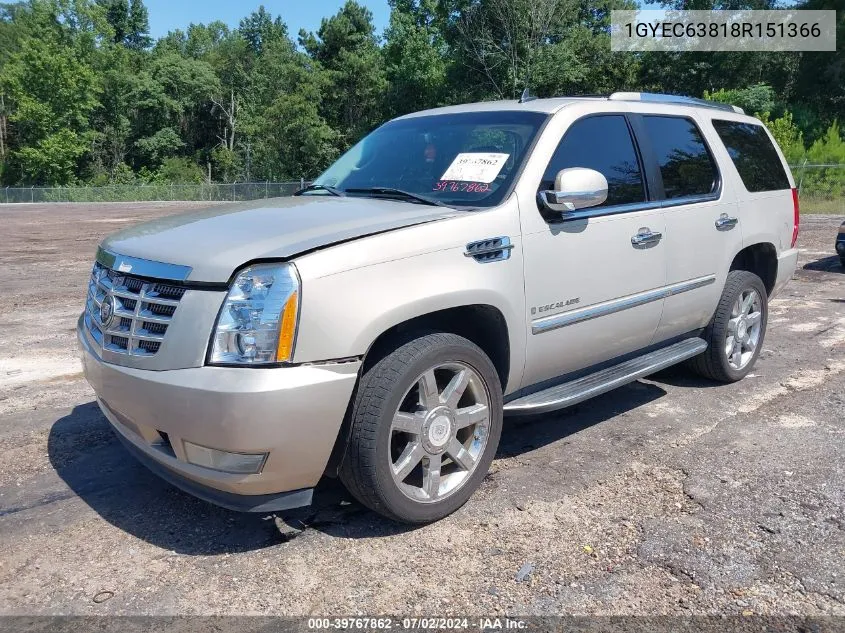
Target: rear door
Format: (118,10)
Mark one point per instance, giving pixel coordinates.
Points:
(703,229)
(767,209)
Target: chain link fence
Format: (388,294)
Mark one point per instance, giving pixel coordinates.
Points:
(153,193)
(821,188)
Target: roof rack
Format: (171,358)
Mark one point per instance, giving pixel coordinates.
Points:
(654,97)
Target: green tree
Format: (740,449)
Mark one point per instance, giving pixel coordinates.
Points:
(163,144)
(826,183)
(129,21)
(50,92)
(179,171)
(498,42)
(693,73)
(289,136)
(306,143)
(259,29)
(112,125)
(226,164)
(578,59)
(754,99)
(788,136)
(172,96)
(415,57)
(820,76)
(86,96)
(829,149)
(347,48)
(553,47)
(233,60)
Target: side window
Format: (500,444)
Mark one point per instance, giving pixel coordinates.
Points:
(752,152)
(684,160)
(602,143)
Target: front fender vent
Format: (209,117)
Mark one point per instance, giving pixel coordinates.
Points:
(494,249)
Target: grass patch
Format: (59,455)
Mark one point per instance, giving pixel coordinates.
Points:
(811,206)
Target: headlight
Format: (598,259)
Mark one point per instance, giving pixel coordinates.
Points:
(257,324)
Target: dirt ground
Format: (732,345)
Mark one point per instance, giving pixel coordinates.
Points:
(669,496)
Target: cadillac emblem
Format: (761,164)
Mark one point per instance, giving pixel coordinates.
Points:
(107,310)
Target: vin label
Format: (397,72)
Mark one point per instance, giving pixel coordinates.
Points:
(710,31)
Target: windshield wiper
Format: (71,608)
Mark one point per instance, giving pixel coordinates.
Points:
(397,194)
(332,190)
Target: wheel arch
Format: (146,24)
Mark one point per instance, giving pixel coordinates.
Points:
(762,260)
(483,324)
(482,315)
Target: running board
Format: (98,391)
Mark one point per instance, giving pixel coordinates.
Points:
(575,391)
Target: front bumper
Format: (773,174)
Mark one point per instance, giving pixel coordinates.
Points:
(293,414)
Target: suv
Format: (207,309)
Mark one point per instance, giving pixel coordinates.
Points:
(454,266)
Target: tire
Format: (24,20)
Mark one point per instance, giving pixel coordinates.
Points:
(842,260)
(716,363)
(393,396)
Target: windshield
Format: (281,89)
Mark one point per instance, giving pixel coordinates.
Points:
(464,159)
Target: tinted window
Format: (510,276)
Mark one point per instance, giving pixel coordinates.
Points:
(602,143)
(460,159)
(755,157)
(685,164)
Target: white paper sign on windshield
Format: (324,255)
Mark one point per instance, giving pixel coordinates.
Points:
(476,167)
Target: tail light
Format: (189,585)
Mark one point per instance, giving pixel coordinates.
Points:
(797,217)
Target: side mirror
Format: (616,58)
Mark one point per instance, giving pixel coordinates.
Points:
(575,188)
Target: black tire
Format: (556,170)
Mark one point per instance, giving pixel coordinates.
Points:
(365,469)
(713,362)
(842,260)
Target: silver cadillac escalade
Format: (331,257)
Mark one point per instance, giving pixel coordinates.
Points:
(455,266)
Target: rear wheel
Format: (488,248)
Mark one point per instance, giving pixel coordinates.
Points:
(736,332)
(425,427)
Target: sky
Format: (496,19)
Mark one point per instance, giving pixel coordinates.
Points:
(168,15)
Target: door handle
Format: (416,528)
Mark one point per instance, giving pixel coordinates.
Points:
(646,236)
(726,222)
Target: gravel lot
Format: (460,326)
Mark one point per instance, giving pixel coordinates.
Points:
(670,496)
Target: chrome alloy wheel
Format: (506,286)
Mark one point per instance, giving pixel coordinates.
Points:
(439,432)
(744,329)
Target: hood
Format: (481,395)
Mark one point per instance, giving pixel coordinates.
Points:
(214,242)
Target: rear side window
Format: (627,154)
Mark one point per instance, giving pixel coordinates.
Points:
(684,160)
(755,157)
(602,143)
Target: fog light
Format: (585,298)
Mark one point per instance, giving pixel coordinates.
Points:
(240,463)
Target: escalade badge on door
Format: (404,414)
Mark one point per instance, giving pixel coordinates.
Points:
(554,306)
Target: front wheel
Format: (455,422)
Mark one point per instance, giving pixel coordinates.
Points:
(735,334)
(425,427)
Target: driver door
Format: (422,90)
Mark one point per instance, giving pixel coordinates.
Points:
(592,283)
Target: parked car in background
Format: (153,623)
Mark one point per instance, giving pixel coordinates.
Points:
(840,244)
(454,266)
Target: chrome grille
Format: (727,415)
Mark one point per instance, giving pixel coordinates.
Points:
(142,311)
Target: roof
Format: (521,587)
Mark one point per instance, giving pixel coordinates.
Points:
(546,106)
(552,105)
